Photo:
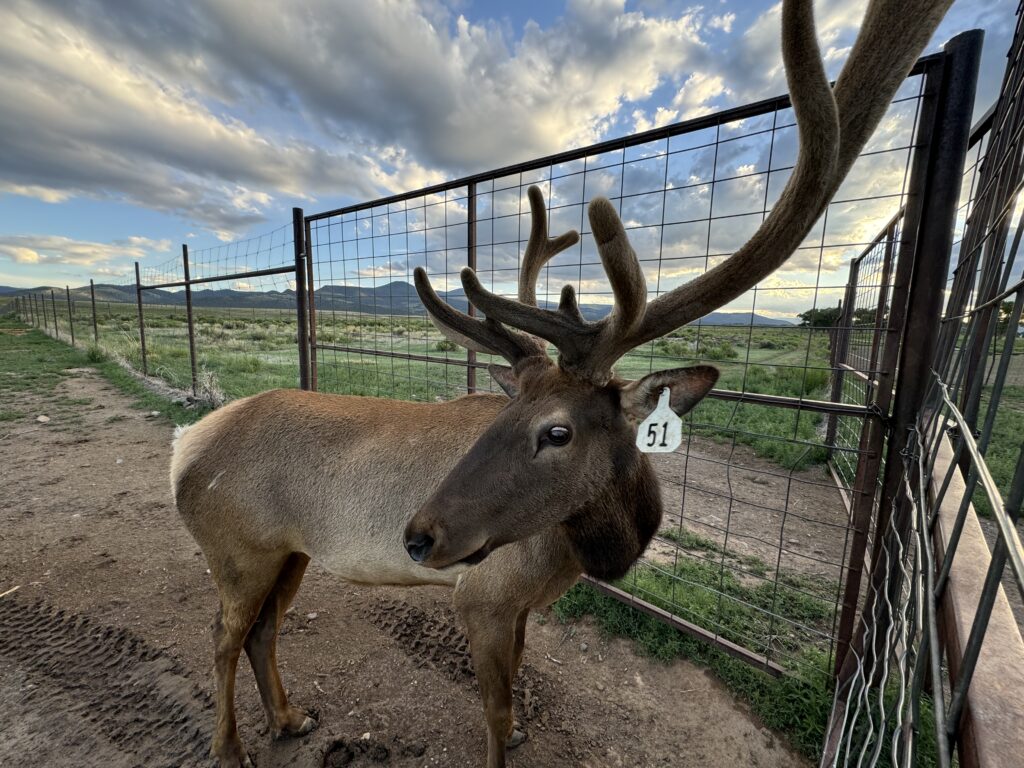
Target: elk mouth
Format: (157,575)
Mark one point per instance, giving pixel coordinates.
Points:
(476,557)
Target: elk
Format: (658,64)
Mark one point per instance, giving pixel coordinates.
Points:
(507,499)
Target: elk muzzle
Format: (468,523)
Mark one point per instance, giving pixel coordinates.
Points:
(430,544)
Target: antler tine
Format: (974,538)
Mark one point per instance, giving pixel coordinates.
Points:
(589,349)
(833,130)
(486,336)
(620,264)
(540,249)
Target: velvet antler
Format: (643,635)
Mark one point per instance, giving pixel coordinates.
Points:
(833,128)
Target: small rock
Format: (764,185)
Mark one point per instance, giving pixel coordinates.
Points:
(43,419)
(312,615)
(151,414)
(793,541)
(600,686)
(584,647)
(120,461)
(365,736)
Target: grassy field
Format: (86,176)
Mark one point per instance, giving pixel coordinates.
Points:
(244,351)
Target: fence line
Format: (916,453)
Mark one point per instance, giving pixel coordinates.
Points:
(935,595)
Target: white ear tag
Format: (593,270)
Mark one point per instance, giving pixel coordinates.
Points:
(662,431)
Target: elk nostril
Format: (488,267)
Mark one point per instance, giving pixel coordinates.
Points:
(419,546)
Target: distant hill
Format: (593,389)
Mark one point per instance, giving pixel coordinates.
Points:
(395,298)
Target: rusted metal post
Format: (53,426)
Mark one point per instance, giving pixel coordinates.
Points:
(928,234)
(53,306)
(188,315)
(883,298)
(95,325)
(471,255)
(71,314)
(311,308)
(142,322)
(298,235)
(841,349)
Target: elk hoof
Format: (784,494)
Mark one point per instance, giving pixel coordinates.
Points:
(235,761)
(515,738)
(299,724)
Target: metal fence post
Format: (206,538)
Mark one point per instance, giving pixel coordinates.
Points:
(188,315)
(298,235)
(839,352)
(471,255)
(42,313)
(53,307)
(71,315)
(142,322)
(92,299)
(928,234)
(311,307)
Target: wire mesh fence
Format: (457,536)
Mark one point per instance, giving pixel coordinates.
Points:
(753,551)
(938,661)
(240,335)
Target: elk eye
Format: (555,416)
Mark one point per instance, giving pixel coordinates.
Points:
(559,435)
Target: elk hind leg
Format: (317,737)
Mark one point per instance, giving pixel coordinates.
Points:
(243,588)
(283,720)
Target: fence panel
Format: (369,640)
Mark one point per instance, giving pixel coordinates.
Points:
(234,331)
(937,674)
(753,552)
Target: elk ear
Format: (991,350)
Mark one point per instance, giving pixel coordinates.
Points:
(613,531)
(505,378)
(687,385)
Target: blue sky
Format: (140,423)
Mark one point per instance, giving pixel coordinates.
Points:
(129,128)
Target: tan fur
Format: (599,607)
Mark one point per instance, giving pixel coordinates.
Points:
(268,482)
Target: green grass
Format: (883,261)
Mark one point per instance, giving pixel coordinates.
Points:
(796,706)
(1004,447)
(33,362)
(733,595)
(251,350)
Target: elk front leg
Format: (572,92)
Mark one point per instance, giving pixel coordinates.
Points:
(492,644)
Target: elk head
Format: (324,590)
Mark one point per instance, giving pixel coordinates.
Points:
(563,452)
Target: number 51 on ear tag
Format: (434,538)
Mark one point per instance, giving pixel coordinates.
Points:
(662,431)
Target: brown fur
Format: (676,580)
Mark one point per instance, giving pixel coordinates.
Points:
(269,482)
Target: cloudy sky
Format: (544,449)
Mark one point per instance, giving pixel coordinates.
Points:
(129,128)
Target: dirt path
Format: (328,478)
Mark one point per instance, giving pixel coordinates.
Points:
(121,676)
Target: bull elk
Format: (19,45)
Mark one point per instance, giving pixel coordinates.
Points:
(506,499)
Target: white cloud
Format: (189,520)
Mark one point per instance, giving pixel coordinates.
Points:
(723,22)
(55,249)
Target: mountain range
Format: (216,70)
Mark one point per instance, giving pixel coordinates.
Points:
(395,298)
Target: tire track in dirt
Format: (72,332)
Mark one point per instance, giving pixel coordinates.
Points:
(434,640)
(77,692)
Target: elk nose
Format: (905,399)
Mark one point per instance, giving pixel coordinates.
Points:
(419,546)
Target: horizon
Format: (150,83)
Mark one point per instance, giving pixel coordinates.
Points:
(161,150)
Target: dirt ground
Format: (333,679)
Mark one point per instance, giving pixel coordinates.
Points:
(105,657)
